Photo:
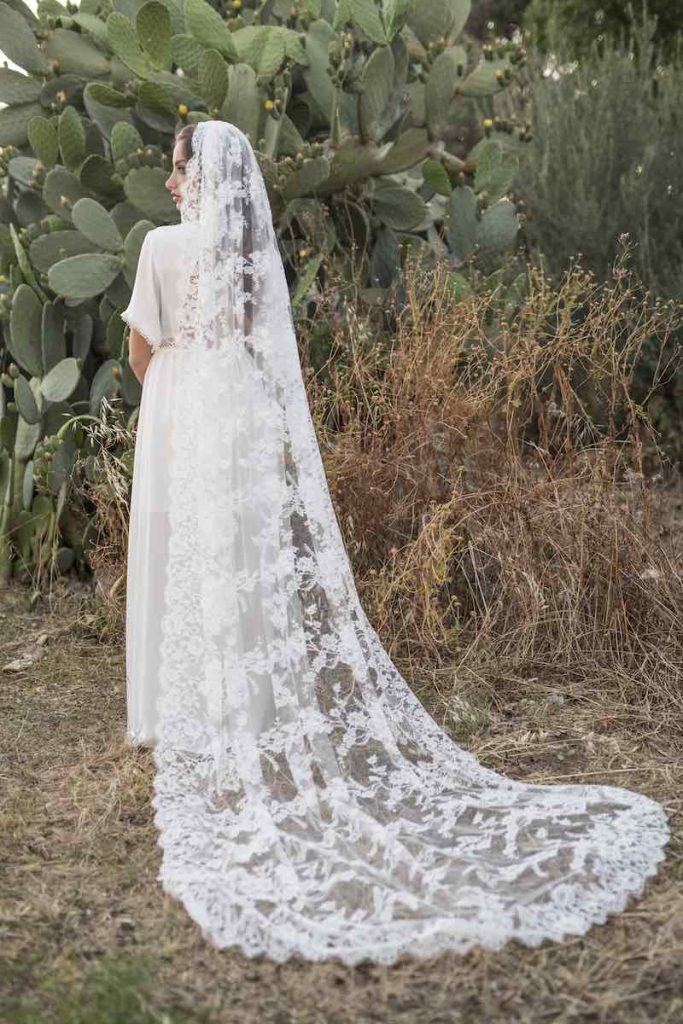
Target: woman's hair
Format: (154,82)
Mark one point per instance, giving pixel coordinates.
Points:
(185,137)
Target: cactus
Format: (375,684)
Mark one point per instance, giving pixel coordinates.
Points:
(212,73)
(462,222)
(208,28)
(123,40)
(42,135)
(25,325)
(74,54)
(497,231)
(61,190)
(60,382)
(84,276)
(186,52)
(433,21)
(106,107)
(351,107)
(19,43)
(124,139)
(495,170)
(14,123)
(53,344)
(25,170)
(264,47)
(153,24)
(71,135)
(399,207)
(97,225)
(145,189)
(17,88)
(26,402)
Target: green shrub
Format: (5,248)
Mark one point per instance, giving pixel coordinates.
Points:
(605,161)
(577,24)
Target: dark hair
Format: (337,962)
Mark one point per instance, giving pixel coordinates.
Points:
(185,136)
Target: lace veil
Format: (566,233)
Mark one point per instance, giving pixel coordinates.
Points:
(306,801)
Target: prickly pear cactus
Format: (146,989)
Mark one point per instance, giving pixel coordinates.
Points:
(356,109)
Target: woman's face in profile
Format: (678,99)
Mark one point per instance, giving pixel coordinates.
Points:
(176,179)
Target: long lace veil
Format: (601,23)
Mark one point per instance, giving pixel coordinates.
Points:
(306,801)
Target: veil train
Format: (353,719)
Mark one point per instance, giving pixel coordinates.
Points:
(306,801)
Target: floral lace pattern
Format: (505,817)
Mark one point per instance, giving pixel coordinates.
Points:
(307,803)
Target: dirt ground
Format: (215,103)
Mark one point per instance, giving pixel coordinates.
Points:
(87,934)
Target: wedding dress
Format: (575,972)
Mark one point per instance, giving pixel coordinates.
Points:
(306,801)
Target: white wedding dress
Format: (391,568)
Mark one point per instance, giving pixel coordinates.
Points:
(307,804)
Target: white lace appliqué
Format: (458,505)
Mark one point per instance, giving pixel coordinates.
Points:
(306,801)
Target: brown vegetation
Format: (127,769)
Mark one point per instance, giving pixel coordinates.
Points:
(516,543)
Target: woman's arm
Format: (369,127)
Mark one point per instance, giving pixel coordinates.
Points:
(139,354)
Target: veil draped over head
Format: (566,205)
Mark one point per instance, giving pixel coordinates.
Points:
(306,801)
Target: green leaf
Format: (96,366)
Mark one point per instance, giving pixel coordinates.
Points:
(495,170)
(61,190)
(145,188)
(60,383)
(462,221)
(19,43)
(42,136)
(306,280)
(82,277)
(482,81)
(398,207)
(71,138)
(57,245)
(208,28)
(14,122)
(213,79)
(18,88)
(124,140)
(123,40)
(26,403)
(497,231)
(186,52)
(153,23)
(377,86)
(93,221)
(430,20)
(76,54)
(367,17)
(436,177)
(25,320)
(263,47)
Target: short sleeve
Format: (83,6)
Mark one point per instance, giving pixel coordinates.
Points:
(143,312)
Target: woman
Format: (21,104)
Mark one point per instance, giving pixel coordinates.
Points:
(306,802)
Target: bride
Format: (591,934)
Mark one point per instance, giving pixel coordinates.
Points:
(306,801)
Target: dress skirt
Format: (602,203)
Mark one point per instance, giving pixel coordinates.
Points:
(148,542)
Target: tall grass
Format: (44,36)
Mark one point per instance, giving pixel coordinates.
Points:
(493,477)
(498,487)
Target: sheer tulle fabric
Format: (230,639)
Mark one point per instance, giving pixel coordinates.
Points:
(306,802)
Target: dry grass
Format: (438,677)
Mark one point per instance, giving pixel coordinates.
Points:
(533,600)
